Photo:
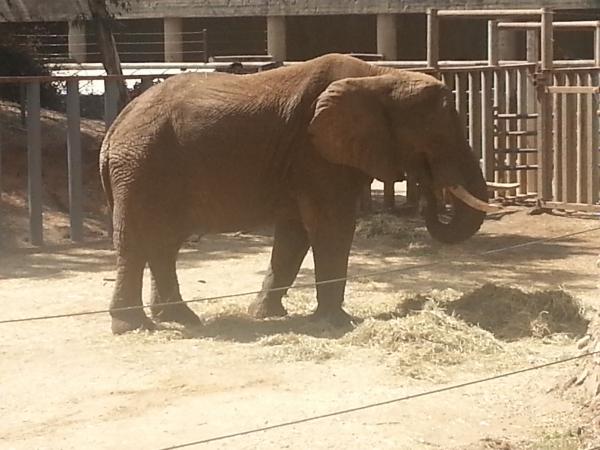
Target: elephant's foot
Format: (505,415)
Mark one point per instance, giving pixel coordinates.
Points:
(335,316)
(126,321)
(262,309)
(175,312)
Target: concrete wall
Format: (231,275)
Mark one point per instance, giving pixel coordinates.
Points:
(227,36)
(310,36)
(306,36)
(64,10)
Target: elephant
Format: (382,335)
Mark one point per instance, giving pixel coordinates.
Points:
(291,148)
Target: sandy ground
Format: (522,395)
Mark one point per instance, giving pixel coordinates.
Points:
(70,384)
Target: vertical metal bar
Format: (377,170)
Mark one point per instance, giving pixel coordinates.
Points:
(593,148)
(461,95)
(557,171)
(499,108)
(511,125)
(111,101)
(493,47)
(444,78)
(545,109)
(533,56)
(522,125)
(433,38)
(475,112)
(74,160)
(545,146)
(547,39)
(569,145)
(205,44)
(487,119)
(570,136)
(582,131)
(597,46)
(34,163)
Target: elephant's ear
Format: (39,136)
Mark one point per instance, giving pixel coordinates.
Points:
(350,127)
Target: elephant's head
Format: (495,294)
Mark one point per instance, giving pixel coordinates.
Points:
(405,122)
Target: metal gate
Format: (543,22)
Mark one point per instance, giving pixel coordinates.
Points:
(570,174)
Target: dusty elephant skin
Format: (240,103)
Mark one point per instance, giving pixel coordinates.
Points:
(291,147)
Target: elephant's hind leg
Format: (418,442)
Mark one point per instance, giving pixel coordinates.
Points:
(126,305)
(166,303)
(289,249)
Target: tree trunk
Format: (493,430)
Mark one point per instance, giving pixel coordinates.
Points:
(107,46)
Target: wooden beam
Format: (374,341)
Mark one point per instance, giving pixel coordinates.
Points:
(489,12)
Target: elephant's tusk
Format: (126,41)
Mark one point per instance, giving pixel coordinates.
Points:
(466,197)
(495,185)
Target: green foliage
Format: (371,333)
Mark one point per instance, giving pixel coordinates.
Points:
(19,57)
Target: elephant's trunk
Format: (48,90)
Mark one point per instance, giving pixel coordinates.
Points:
(467,193)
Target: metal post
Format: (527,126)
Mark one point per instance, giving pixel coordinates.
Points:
(533,56)
(387,46)
(205,44)
(597,46)
(545,109)
(487,119)
(74,160)
(34,163)
(547,39)
(433,38)
(111,109)
(493,42)
(111,101)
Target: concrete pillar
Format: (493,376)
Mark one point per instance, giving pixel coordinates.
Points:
(77,42)
(173,39)
(387,38)
(276,38)
(508,45)
(387,45)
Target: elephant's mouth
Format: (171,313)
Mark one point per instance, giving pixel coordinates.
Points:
(454,204)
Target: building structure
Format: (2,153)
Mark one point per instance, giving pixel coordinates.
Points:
(192,30)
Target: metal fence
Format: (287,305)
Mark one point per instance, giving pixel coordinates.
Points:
(534,124)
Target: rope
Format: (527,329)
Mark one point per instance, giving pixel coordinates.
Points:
(299,285)
(382,403)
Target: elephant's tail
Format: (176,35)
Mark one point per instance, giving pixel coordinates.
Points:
(105,174)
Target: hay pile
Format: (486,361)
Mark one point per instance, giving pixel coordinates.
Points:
(425,339)
(422,336)
(408,229)
(512,314)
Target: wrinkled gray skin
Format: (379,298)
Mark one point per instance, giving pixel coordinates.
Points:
(291,147)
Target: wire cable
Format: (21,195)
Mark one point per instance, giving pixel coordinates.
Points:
(378,404)
(299,285)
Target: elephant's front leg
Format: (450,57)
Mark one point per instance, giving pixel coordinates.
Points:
(289,249)
(331,240)
(166,302)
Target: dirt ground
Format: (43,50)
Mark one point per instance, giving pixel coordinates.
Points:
(70,384)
